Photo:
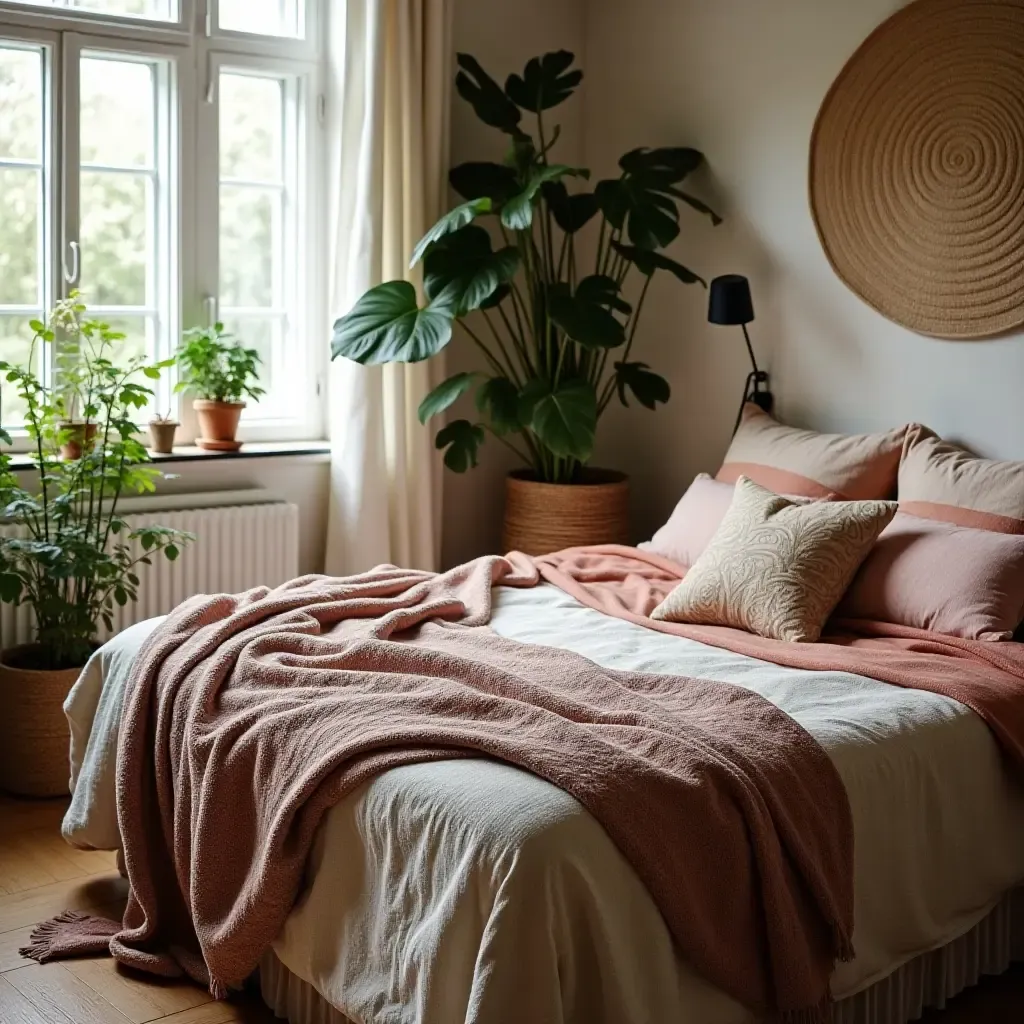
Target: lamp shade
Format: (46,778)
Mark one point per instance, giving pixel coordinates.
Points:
(729,302)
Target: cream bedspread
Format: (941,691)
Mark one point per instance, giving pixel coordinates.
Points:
(472,891)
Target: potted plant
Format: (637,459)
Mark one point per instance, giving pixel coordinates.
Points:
(162,429)
(220,373)
(73,557)
(554,319)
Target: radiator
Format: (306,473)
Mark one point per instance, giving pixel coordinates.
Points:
(236,547)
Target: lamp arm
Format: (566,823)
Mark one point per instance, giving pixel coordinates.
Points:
(750,349)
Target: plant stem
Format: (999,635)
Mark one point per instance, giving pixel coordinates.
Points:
(495,365)
(512,375)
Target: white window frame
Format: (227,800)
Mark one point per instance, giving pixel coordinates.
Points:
(196,50)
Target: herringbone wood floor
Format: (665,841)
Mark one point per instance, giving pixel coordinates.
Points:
(40,875)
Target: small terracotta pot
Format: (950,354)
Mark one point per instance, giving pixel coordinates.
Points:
(218,424)
(540,517)
(161,436)
(34,735)
(81,438)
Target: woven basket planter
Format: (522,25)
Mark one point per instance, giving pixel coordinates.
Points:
(34,733)
(541,518)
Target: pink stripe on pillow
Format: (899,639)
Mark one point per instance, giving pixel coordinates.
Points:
(781,481)
(968,517)
(941,577)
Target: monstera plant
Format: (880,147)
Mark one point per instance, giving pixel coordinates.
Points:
(549,313)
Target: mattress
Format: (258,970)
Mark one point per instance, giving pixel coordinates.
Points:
(473,891)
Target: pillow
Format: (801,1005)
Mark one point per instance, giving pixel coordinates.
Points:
(943,578)
(791,461)
(940,481)
(777,568)
(693,521)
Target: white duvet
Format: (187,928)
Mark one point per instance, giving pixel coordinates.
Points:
(472,891)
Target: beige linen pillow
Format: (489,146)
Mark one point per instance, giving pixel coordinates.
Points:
(777,568)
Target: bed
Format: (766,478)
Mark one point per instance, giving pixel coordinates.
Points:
(473,891)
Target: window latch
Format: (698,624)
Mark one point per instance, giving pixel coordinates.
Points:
(71,276)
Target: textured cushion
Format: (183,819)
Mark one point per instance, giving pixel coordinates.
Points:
(943,578)
(777,568)
(791,461)
(940,481)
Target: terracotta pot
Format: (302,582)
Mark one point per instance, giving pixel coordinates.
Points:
(161,436)
(34,735)
(218,424)
(81,439)
(540,518)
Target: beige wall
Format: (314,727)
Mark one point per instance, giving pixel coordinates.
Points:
(742,80)
(502,35)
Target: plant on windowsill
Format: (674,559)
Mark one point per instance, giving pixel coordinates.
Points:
(220,373)
(556,336)
(162,429)
(71,557)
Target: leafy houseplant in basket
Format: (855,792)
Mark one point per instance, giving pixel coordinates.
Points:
(552,311)
(220,372)
(70,556)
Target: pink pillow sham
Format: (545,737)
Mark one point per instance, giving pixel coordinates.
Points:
(943,578)
(693,522)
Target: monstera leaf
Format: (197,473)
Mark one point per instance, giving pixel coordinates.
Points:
(648,388)
(643,200)
(572,213)
(647,262)
(498,399)
(484,180)
(462,440)
(564,418)
(585,316)
(461,272)
(486,97)
(387,326)
(545,82)
(517,213)
(445,395)
(452,221)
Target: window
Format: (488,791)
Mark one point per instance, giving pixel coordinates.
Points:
(188,167)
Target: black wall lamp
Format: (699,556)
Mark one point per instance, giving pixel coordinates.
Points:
(730,305)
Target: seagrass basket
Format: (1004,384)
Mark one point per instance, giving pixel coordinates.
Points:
(34,733)
(541,518)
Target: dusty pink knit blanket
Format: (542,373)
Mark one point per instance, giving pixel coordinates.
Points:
(249,716)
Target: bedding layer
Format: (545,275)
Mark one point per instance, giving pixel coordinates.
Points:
(435,885)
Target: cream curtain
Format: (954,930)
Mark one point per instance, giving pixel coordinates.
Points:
(389,128)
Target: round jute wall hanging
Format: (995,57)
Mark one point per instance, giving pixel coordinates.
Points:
(917,168)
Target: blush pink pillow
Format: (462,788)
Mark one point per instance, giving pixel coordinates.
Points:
(693,523)
(943,578)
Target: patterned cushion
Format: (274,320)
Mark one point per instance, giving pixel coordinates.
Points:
(777,568)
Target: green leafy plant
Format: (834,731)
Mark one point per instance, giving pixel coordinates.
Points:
(77,556)
(557,336)
(216,367)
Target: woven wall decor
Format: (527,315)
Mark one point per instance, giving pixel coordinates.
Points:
(917,168)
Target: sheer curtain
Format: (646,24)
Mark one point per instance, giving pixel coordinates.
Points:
(389,128)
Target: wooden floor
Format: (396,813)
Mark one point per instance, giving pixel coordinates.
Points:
(40,875)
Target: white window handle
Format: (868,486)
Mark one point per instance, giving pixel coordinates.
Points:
(211,309)
(71,276)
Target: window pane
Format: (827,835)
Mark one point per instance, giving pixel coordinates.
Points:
(264,17)
(19,236)
(257,333)
(21,103)
(135,342)
(248,238)
(117,112)
(251,127)
(114,232)
(15,347)
(158,10)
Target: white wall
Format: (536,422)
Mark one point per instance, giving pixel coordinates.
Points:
(503,35)
(743,80)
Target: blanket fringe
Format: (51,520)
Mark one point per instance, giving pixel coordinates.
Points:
(71,933)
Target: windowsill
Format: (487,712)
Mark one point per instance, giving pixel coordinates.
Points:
(190,453)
